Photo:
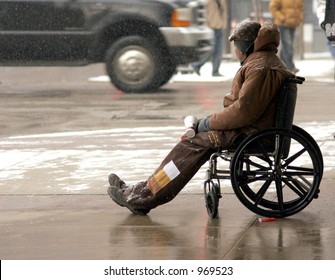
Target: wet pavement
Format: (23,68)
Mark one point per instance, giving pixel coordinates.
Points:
(91,227)
(61,135)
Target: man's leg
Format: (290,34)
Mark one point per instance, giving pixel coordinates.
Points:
(176,170)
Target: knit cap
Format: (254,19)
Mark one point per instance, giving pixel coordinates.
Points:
(245,31)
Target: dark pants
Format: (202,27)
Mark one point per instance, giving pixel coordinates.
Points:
(287,51)
(178,168)
(215,54)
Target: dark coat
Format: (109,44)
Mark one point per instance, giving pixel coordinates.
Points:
(329,22)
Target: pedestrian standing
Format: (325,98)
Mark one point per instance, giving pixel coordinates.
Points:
(216,13)
(288,15)
(249,107)
(329,20)
(326,16)
(321,12)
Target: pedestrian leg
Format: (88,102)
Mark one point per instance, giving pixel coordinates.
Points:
(217,51)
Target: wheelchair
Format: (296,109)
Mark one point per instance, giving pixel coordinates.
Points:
(275,172)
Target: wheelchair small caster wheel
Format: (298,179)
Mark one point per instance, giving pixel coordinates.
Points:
(212,201)
(212,205)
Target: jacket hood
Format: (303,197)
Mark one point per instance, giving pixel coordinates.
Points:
(268,38)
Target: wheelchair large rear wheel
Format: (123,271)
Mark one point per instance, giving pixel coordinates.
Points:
(277,183)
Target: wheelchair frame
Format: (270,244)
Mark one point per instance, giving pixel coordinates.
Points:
(265,169)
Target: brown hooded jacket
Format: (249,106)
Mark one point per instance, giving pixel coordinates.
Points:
(251,104)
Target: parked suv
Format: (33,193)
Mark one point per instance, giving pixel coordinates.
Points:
(141,41)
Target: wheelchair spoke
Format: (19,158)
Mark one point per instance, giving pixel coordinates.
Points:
(265,157)
(294,157)
(250,177)
(296,186)
(255,164)
(280,149)
(280,197)
(304,169)
(260,194)
(299,171)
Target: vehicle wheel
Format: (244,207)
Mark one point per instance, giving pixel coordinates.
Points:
(133,64)
(273,185)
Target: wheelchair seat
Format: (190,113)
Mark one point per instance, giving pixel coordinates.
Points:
(274,172)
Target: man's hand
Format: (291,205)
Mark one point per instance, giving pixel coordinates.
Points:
(203,125)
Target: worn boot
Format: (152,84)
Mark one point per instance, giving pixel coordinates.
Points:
(115,181)
(136,198)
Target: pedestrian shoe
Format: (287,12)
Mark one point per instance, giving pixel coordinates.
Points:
(196,70)
(115,181)
(117,195)
(217,75)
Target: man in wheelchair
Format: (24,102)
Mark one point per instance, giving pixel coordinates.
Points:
(249,107)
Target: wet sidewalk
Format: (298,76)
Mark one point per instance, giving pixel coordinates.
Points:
(81,227)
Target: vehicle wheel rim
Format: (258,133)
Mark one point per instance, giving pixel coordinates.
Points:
(134,65)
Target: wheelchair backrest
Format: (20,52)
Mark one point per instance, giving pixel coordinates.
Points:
(286,103)
(286,107)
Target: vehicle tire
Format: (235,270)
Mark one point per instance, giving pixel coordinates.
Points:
(169,69)
(133,64)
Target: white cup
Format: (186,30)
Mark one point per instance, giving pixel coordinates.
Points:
(190,123)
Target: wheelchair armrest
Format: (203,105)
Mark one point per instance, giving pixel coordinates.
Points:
(297,80)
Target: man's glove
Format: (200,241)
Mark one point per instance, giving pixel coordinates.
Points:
(204,125)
